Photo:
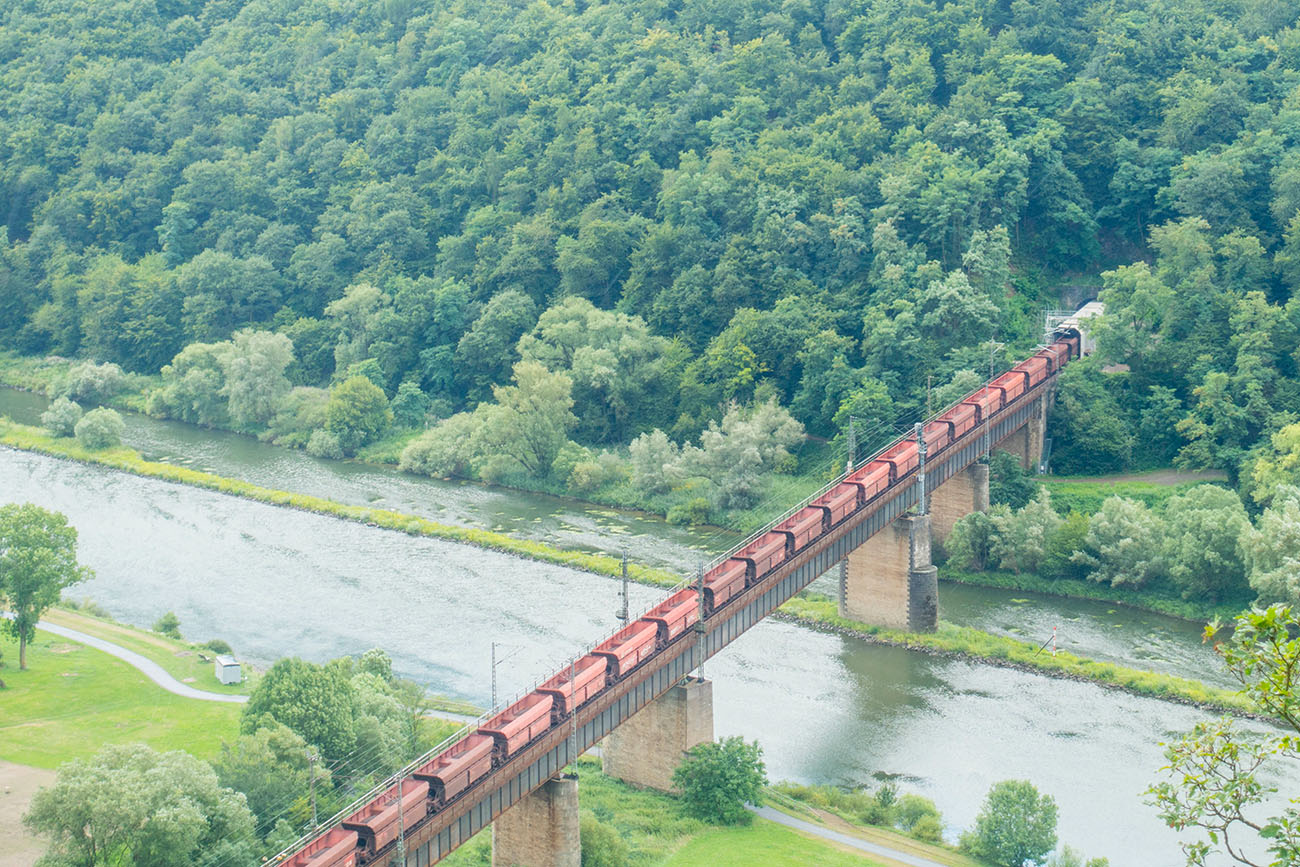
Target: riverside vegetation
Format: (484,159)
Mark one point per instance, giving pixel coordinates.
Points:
(541,250)
(808,608)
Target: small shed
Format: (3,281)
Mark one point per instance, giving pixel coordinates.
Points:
(227,670)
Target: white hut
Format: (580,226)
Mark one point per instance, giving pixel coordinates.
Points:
(227,670)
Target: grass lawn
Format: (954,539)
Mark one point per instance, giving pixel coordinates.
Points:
(180,659)
(764,843)
(73,700)
(656,831)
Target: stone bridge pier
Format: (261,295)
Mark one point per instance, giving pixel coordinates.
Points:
(889,580)
(541,830)
(646,749)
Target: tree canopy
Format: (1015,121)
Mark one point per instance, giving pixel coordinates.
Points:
(38,560)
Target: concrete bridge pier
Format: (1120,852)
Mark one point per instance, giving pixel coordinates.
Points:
(645,750)
(889,580)
(541,830)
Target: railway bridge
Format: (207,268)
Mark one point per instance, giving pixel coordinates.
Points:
(875,523)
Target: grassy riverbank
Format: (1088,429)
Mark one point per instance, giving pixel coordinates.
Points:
(35,439)
(1165,602)
(73,699)
(820,613)
(655,830)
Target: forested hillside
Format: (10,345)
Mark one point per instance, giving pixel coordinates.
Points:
(551,231)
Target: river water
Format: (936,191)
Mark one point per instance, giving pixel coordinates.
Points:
(275,581)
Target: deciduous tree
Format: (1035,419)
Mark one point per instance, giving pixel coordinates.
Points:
(38,560)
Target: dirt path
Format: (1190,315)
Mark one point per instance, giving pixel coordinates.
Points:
(1154,477)
(18,783)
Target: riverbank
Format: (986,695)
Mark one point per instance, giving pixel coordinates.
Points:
(819,612)
(653,828)
(1158,602)
(954,641)
(34,439)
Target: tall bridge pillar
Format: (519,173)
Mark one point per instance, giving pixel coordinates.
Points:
(889,580)
(1027,441)
(645,750)
(965,492)
(540,830)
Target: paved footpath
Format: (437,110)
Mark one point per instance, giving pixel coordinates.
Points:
(844,839)
(151,669)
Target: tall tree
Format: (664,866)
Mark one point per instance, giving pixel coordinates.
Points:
(38,560)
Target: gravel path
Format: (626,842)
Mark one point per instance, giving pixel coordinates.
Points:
(843,839)
(151,669)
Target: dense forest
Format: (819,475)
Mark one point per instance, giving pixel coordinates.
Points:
(646,246)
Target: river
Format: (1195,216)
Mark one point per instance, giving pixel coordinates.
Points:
(275,581)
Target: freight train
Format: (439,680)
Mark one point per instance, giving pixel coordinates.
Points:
(447,776)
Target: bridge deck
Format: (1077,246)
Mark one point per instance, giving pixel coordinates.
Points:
(436,836)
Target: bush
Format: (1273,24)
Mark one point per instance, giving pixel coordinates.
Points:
(693,511)
(100,429)
(911,809)
(717,779)
(169,624)
(61,418)
(601,845)
(216,645)
(324,444)
(89,382)
(928,828)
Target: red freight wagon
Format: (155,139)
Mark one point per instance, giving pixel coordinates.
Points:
(335,848)
(873,479)
(519,724)
(380,822)
(902,458)
(938,434)
(840,501)
(675,615)
(1012,384)
(628,647)
(986,401)
(1071,340)
(456,768)
(963,419)
(1036,367)
(588,678)
(804,525)
(1060,353)
(762,554)
(723,582)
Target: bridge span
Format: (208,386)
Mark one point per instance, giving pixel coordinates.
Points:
(443,798)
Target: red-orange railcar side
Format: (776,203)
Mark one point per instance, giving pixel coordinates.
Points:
(675,615)
(380,822)
(628,647)
(457,768)
(518,724)
(571,687)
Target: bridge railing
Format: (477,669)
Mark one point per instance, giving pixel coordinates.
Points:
(903,434)
(482,719)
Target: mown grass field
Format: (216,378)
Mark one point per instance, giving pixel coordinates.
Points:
(764,843)
(73,700)
(179,659)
